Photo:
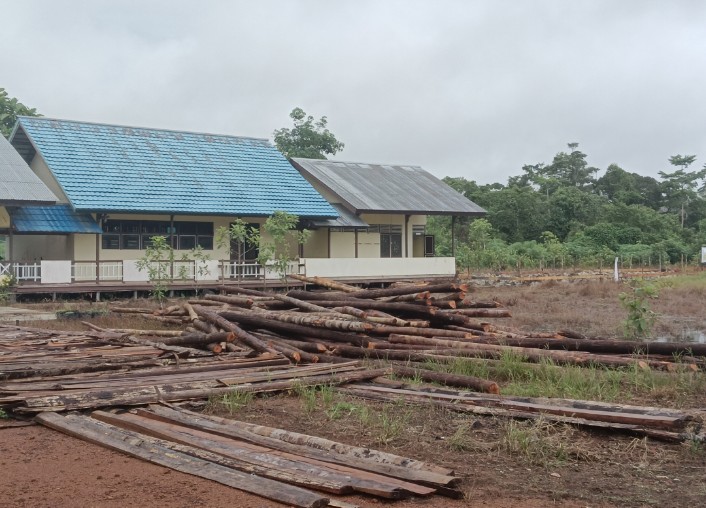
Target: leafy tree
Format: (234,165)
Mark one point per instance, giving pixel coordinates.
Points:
(158,260)
(619,186)
(571,208)
(308,138)
(10,109)
(276,251)
(680,186)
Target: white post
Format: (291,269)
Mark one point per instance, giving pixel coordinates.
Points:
(616,275)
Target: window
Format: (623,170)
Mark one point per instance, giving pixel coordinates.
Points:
(137,235)
(390,239)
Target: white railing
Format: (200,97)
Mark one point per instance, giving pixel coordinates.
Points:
(235,270)
(27,272)
(183,270)
(86,271)
(5,269)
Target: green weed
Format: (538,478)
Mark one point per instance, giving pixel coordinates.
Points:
(393,420)
(460,441)
(231,402)
(536,441)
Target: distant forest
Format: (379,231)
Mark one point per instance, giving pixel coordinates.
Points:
(563,215)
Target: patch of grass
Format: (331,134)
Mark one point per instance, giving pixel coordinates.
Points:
(311,395)
(231,402)
(537,441)
(344,409)
(393,420)
(3,414)
(461,441)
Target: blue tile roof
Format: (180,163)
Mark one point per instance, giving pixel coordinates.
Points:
(110,168)
(52,219)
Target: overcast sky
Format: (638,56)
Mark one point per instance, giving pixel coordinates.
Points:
(463,88)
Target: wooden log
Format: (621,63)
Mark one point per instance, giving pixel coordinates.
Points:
(190,311)
(534,355)
(423,296)
(238,301)
(405,290)
(141,447)
(472,382)
(467,303)
(215,348)
(130,310)
(246,338)
(313,321)
(609,346)
(199,339)
(422,332)
(198,301)
(324,282)
(204,327)
(294,330)
(486,313)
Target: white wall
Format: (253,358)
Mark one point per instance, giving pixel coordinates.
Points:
(381,267)
(42,171)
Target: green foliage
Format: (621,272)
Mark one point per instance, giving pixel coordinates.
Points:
(537,441)
(7,282)
(591,220)
(308,138)
(158,260)
(232,402)
(10,109)
(641,318)
(283,237)
(238,236)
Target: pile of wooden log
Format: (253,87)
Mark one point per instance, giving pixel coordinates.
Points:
(409,322)
(278,465)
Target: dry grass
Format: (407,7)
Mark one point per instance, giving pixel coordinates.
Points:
(593,308)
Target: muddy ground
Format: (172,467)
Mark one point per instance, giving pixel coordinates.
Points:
(502,463)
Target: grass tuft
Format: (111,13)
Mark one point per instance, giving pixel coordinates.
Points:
(231,402)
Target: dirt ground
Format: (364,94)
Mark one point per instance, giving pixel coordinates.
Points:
(501,463)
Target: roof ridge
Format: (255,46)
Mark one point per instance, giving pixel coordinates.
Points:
(122,126)
(358,162)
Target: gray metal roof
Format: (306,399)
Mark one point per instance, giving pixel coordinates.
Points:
(386,189)
(18,183)
(346,219)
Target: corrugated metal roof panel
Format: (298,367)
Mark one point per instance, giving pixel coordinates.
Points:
(52,219)
(346,219)
(387,188)
(18,183)
(112,168)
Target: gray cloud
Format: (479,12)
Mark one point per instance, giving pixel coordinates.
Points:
(463,88)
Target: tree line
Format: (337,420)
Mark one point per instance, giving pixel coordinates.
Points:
(549,216)
(563,214)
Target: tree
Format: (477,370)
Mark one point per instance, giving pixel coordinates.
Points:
(10,109)
(680,186)
(308,138)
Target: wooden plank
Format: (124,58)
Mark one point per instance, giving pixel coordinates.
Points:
(142,447)
(365,454)
(223,427)
(261,457)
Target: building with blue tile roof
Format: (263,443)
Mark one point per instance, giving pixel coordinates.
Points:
(117,187)
(136,183)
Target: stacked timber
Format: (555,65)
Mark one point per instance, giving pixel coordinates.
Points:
(406,322)
(282,466)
